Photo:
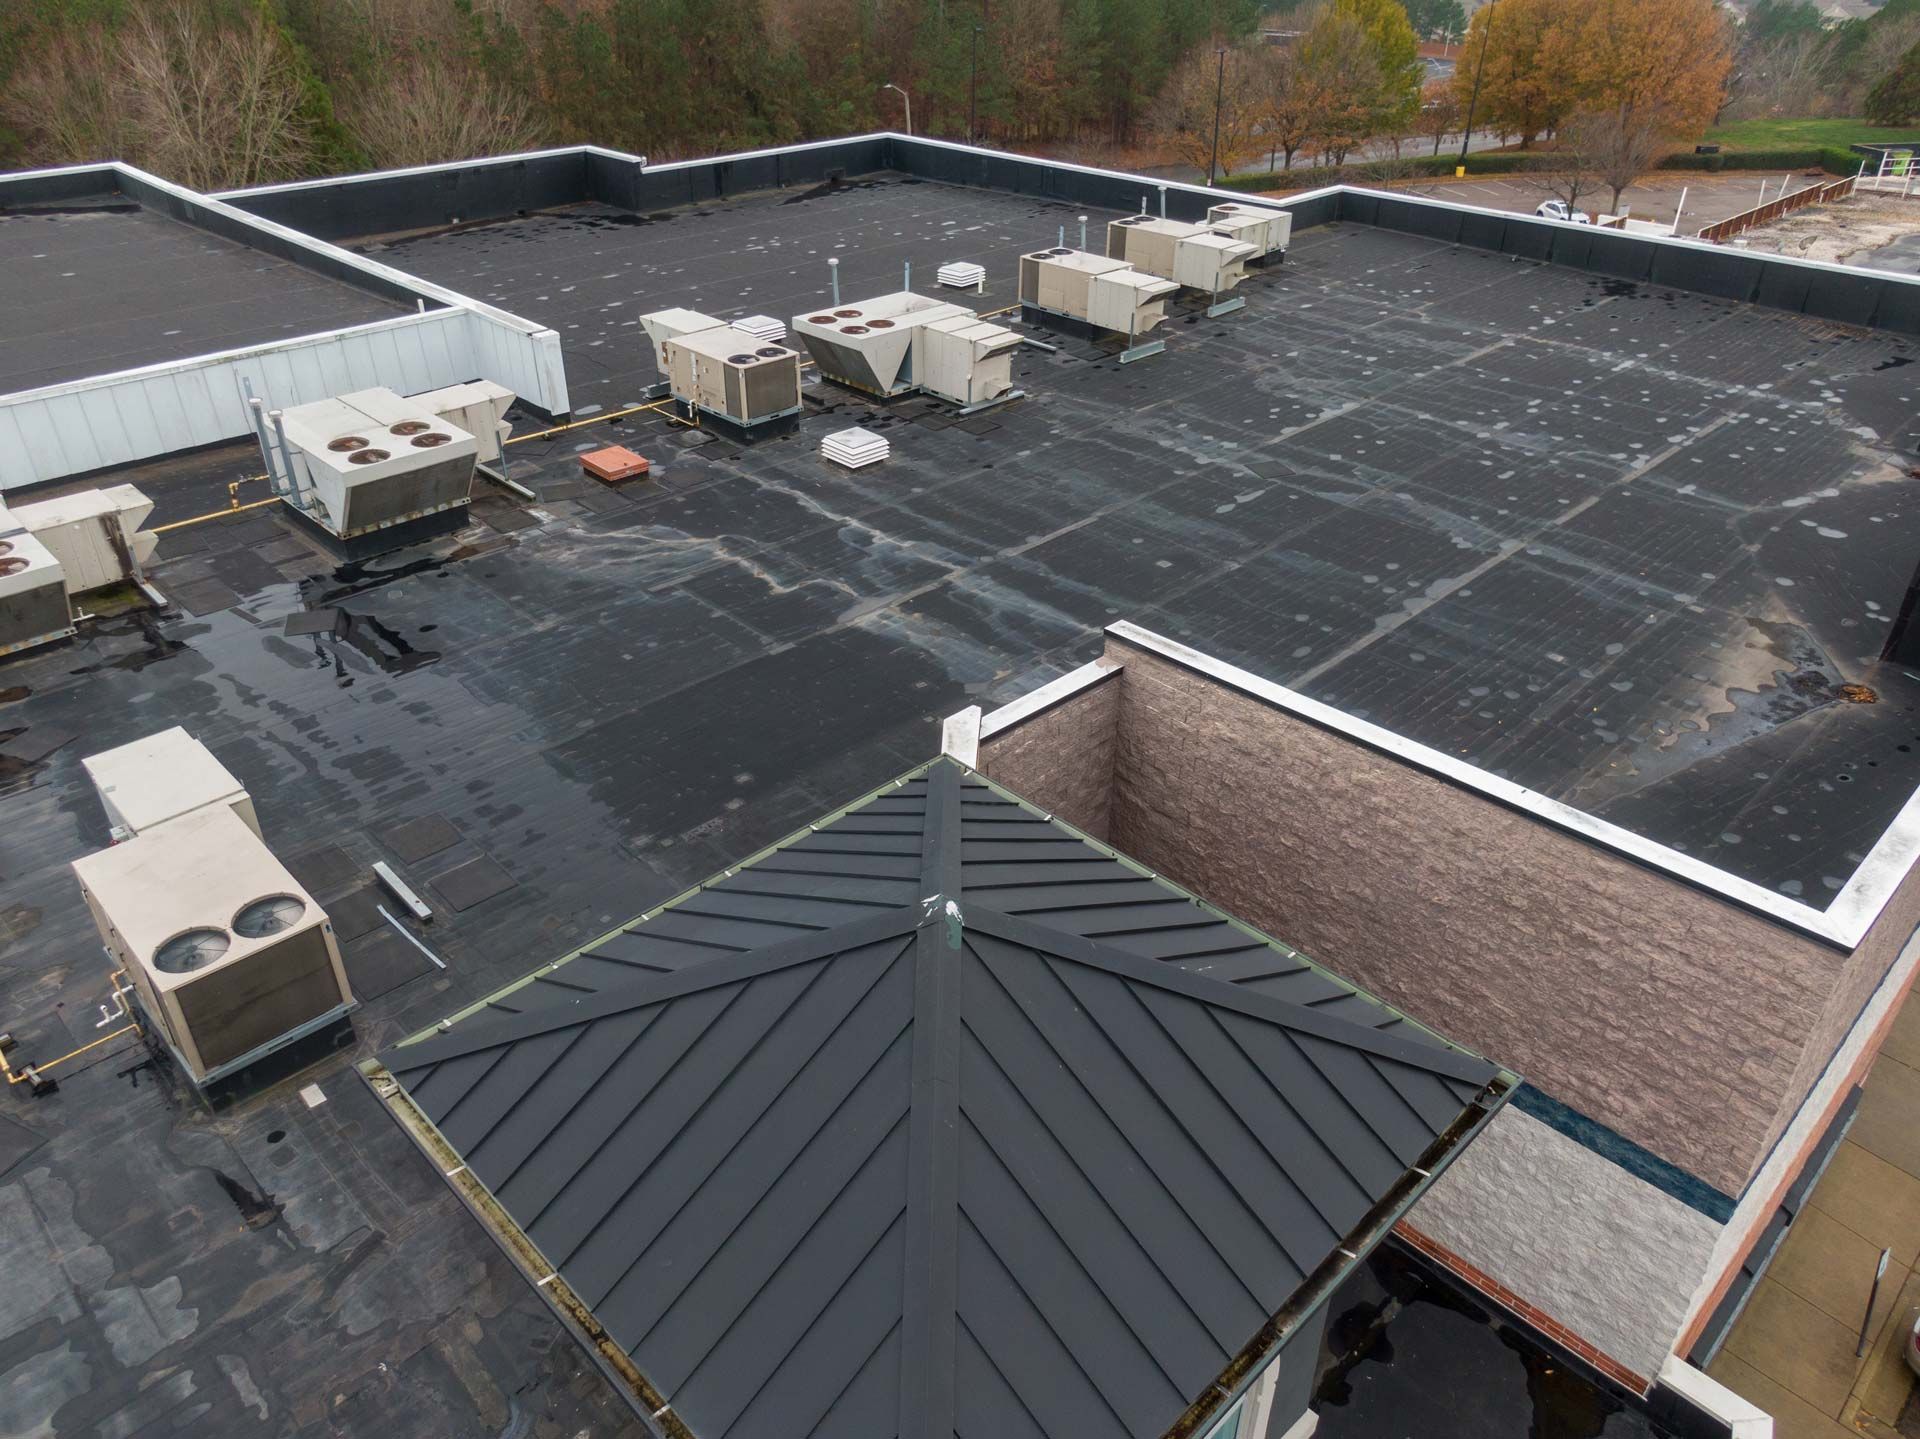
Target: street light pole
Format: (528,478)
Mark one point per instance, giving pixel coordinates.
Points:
(973,83)
(1479,68)
(908,99)
(1219,94)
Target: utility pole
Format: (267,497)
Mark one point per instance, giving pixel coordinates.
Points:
(908,99)
(1479,69)
(1219,94)
(973,84)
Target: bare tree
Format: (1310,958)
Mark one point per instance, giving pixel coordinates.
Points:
(1201,94)
(428,111)
(1789,75)
(65,100)
(1572,171)
(213,107)
(1618,145)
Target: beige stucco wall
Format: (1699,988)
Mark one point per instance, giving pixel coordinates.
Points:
(1660,1010)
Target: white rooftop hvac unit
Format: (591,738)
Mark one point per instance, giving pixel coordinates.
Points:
(723,371)
(1191,255)
(368,460)
(33,591)
(95,534)
(230,957)
(480,408)
(1107,294)
(161,778)
(903,341)
(1268,231)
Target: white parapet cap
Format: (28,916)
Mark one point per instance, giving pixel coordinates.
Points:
(1843,923)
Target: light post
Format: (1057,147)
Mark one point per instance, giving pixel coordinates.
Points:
(1219,94)
(906,98)
(973,82)
(1479,68)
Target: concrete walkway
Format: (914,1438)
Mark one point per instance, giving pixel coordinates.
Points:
(1791,1350)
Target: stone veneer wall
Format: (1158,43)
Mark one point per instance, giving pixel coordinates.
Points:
(1578,1238)
(1064,752)
(1655,1008)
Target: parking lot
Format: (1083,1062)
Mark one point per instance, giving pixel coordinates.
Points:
(1708,199)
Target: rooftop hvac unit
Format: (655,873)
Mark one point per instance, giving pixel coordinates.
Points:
(965,359)
(725,373)
(1268,231)
(478,407)
(1191,255)
(161,778)
(230,957)
(1104,293)
(95,534)
(371,459)
(33,591)
(664,325)
(899,342)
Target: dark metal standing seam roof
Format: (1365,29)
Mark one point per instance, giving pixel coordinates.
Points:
(937,1169)
(1013,859)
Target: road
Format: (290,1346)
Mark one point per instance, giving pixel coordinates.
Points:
(1373,150)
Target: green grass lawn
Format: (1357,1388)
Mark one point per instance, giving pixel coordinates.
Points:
(1804,134)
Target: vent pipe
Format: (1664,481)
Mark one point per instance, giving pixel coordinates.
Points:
(1063,237)
(906,274)
(833,269)
(1163,202)
(1083,232)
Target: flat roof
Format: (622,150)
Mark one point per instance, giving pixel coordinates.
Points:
(1618,544)
(98,286)
(851,1147)
(575,709)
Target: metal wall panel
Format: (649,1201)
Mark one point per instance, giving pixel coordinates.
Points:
(88,425)
(423,197)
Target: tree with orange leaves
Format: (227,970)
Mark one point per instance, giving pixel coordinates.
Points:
(1647,62)
(1503,78)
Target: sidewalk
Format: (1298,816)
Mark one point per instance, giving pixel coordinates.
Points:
(1791,1350)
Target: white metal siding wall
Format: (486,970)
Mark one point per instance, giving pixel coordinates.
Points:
(84,425)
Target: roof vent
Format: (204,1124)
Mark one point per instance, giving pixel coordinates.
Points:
(191,950)
(273,915)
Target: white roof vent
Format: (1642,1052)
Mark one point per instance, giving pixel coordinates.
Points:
(855,448)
